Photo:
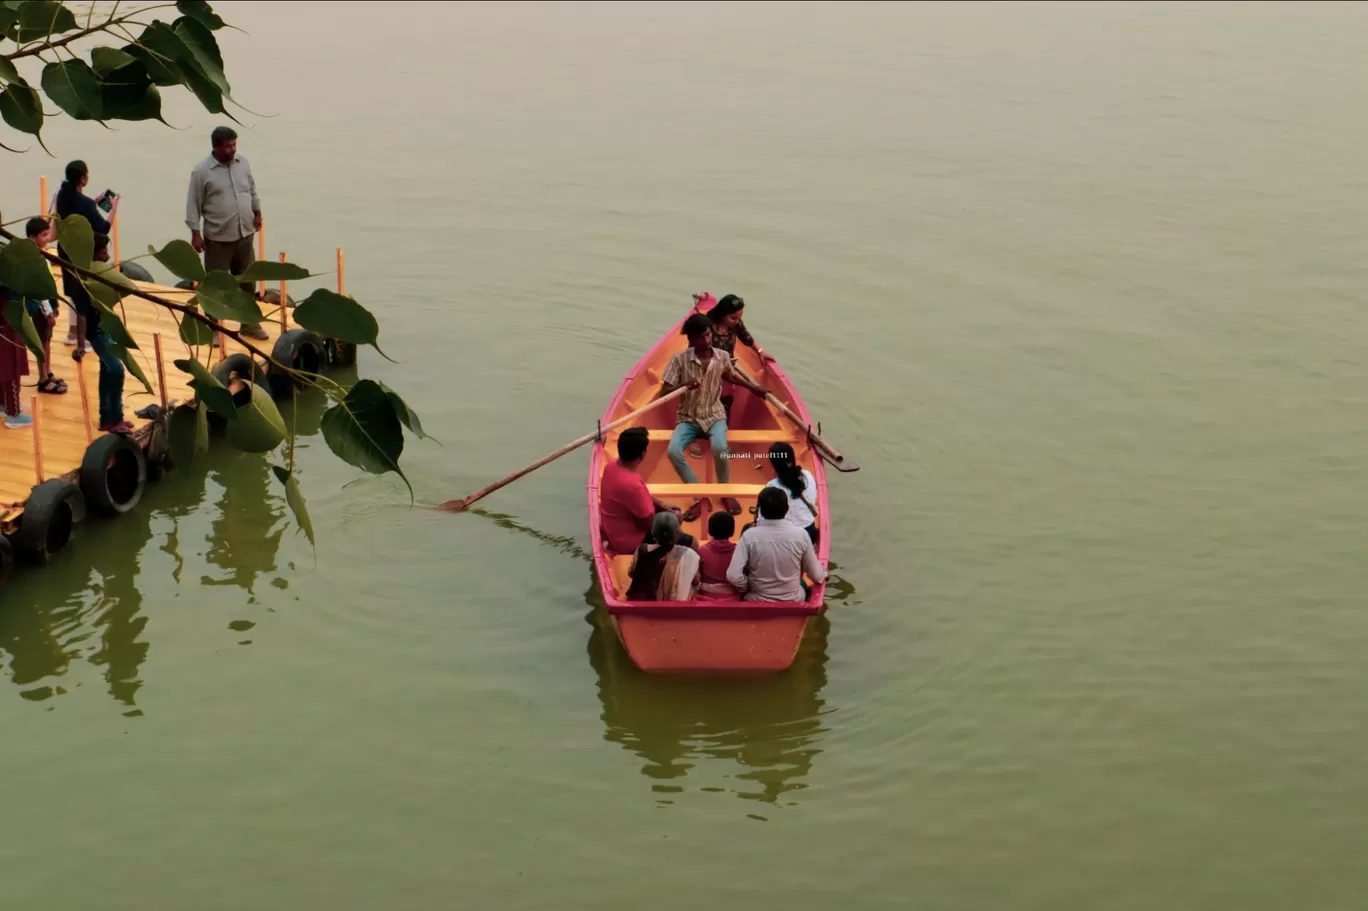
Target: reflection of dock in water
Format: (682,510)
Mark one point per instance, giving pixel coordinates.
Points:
(90,608)
(760,733)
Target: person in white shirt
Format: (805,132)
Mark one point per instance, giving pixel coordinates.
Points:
(798,484)
(771,558)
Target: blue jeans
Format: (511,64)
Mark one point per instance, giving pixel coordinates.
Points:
(111,378)
(686,433)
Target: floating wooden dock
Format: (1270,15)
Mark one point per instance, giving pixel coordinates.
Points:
(65,426)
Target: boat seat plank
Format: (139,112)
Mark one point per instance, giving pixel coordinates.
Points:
(705,490)
(735,436)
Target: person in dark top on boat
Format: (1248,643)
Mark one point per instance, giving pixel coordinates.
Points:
(626,507)
(699,413)
(727,329)
(111,368)
(663,569)
(714,558)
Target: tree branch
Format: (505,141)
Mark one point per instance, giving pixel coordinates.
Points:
(36,49)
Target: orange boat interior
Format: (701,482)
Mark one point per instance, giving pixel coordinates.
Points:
(755,424)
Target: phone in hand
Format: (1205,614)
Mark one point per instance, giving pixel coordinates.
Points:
(106,200)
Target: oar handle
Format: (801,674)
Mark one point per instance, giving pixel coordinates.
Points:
(458,505)
(792,416)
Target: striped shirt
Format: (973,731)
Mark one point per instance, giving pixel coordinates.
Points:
(701,406)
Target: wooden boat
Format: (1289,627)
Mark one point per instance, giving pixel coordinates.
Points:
(707,636)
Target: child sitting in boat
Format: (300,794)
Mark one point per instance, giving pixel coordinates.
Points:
(663,569)
(714,558)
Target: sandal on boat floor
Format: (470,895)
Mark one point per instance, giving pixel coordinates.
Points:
(52,386)
(731,506)
(695,510)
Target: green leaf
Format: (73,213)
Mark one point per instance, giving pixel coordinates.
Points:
(193,332)
(167,55)
(407,416)
(16,314)
(208,389)
(189,434)
(200,11)
(163,71)
(21,108)
(364,431)
(77,239)
(295,497)
(107,59)
(263,270)
(204,50)
(41,18)
(108,295)
(112,325)
(220,297)
(127,93)
(8,71)
(259,427)
(335,316)
(74,87)
(25,272)
(180,259)
(131,363)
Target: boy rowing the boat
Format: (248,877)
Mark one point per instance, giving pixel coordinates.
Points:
(702,368)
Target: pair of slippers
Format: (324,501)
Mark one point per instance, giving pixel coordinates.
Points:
(52,386)
(728,503)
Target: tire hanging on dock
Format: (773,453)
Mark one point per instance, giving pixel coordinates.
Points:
(340,354)
(135,271)
(113,475)
(52,512)
(242,365)
(301,350)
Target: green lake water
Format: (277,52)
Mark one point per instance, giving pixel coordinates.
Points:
(1080,285)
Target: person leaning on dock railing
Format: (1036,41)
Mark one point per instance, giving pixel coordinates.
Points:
(223,212)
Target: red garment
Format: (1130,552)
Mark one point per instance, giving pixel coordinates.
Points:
(713,560)
(626,509)
(13,355)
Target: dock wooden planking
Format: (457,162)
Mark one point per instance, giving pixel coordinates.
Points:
(60,416)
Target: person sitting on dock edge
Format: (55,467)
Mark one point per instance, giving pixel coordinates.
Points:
(626,507)
(702,368)
(111,368)
(770,560)
(222,198)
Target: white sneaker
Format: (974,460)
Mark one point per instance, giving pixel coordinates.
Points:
(70,340)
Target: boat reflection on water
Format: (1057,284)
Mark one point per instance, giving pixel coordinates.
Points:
(754,737)
(767,729)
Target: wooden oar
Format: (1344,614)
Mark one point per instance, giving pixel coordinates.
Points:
(824,449)
(458,505)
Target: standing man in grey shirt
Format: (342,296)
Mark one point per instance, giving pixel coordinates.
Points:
(223,198)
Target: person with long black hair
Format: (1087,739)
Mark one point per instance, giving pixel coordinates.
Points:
(71,201)
(727,329)
(798,484)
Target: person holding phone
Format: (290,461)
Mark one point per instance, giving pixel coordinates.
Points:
(71,201)
(223,212)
